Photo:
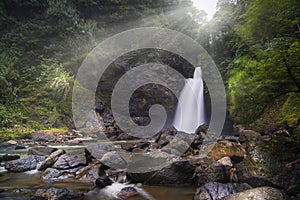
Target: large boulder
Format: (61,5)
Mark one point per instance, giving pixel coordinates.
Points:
(263,166)
(227,148)
(209,170)
(114,159)
(41,150)
(50,160)
(23,164)
(265,193)
(180,172)
(215,190)
(68,161)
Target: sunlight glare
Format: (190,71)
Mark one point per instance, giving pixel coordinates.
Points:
(209,6)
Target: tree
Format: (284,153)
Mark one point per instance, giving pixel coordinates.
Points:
(266,66)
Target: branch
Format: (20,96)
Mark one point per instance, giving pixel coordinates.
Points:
(286,92)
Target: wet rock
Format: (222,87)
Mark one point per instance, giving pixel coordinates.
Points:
(103,181)
(266,193)
(225,148)
(180,172)
(127,192)
(98,150)
(50,160)
(215,191)
(90,173)
(68,161)
(209,170)
(54,193)
(113,159)
(10,145)
(9,157)
(41,150)
(23,164)
(53,175)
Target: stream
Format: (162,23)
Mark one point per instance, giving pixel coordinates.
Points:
(16,184)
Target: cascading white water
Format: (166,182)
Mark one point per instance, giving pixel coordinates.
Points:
(190,111)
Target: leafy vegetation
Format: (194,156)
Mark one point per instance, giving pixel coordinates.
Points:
(255,44)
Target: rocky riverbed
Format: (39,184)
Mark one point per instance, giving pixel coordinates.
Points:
(73,166)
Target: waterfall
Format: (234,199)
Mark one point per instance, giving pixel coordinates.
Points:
(190,113)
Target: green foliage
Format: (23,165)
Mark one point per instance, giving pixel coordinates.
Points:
(267,66)
(291,109)
(8,78)
(9,115)
(13,133)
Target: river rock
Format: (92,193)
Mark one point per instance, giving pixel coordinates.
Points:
(41,150)
(90,173)
(24,164)
(98,150)
(103,181)
(215,190)
(180,172)
(209,170)
(9,157)
(10,145)
(68,161)
(265,193)
(51,175)
(127,192)
(50,160)
(227,148)
(113,159)
(55,193)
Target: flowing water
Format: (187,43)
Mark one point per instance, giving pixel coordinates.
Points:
(190,112)
(30,181)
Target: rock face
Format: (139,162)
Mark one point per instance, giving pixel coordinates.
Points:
(263,168)
(23,164)
(215,191)
(41,151)
(265,193)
